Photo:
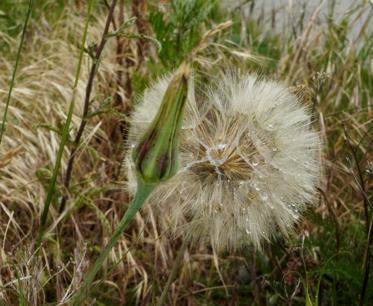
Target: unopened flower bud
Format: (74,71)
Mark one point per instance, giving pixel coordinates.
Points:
(156,155)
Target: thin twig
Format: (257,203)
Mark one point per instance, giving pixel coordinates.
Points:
(87,98)
(12,81)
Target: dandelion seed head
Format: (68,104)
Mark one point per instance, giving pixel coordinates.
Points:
(248,162)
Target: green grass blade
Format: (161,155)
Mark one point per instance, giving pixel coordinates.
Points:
(65,134)
(12,81)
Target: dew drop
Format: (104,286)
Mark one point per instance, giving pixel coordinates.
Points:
(275,149)
(255,163)
(247,231)
(270,126)
(221,146)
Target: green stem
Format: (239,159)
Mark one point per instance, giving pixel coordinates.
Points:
(173,273)
(12,81)
(143,191)
(65,135)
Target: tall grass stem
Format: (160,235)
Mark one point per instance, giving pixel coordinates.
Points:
(12,81)
(65,134)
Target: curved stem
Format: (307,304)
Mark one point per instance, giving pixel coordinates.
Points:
(143,191)
(173,273)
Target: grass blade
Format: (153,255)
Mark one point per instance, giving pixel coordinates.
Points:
(12,81)
(65,134)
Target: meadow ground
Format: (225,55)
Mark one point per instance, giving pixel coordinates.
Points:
(325,59)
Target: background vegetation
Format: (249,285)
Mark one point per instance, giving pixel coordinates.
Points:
(328,259)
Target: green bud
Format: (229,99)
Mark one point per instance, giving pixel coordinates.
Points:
(156,155)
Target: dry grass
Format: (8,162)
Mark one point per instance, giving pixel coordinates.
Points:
(333,75)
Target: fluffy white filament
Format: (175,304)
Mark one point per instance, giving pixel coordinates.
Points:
(248,162)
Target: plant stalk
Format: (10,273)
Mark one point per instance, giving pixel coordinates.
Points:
(143,191)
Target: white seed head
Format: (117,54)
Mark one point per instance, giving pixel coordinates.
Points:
(248,162)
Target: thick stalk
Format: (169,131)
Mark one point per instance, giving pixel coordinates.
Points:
(143,191)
